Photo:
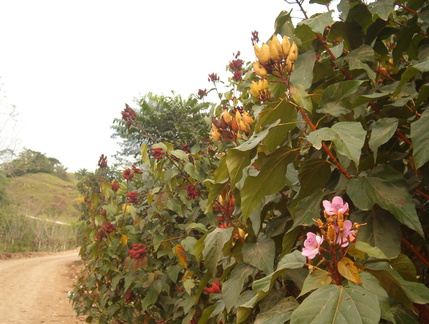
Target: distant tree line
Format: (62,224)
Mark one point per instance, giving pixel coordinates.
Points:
(29,161)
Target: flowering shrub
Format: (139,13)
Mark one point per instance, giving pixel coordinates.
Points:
(311,200)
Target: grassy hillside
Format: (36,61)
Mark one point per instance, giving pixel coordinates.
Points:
(44,195)
(47,198)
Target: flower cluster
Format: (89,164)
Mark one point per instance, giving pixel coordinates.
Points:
(215,288)
(104,231)
(129,297)
(115,186)
(192,192)
(157,153)
(335,229)
(133,197)
(202,93)
(137,251)
(102,162)
(228,127)
(236,67)
(213,78)
(128,174)
(275,58)
(128,115)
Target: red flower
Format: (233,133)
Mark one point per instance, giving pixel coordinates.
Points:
(214,288)
(137,251)
(133,197)
(157,153)
(238,76)
(102,162)
(202,93)
(115,186)
(105,230)
(129,297)
(127,174)
(192,192)
(137,170)
(128,115)
(213,77)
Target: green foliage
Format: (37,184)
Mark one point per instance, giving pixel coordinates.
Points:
(164,118)
(217,233)
(29,161)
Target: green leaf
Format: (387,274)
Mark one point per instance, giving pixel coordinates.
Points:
(286,114)
(370,283)
(336,304)
(231,289)
(214,244)
(420,139)
(410,73)
(381,8)
(372,251)
(405,267)
(348,138)
(279,313)
(403,315)
(336,97)
(313,174)
(306,210)
(260,254)
(236,161)
(221,173)
(303,69)
(397,287)
(255,139)
(318,23)
(386,187)
(316,279)
(381,229)
(382,130)
(270,179)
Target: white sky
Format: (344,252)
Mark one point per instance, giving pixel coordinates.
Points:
(69,66)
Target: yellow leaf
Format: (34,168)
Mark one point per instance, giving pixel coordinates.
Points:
(145,155)
(179,251)
(124,241)
(348,270)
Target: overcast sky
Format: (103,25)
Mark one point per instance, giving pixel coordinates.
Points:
(70,66)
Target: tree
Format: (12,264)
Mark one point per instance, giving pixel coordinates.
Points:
(159,116)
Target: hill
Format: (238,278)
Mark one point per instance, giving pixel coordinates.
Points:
(44,195)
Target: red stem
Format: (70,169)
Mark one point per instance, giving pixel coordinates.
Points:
(414,250)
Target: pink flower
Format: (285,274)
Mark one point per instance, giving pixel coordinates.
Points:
(312,245)
(337,206)
(347,235)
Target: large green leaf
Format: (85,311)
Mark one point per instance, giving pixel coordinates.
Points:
(306,210)
(260,254)
(315,279)
(279,313)
(231,289)
(284,114)
(336,304)
(410,73)
(313,174)
(420,139)
(318,23)
(381,230)
(270,179)
(262,287)
(303,69)
(236,161)
(381,8)
(336,97)
(348,138)
(214,244)
(386,187)
(382,130)
(406,292)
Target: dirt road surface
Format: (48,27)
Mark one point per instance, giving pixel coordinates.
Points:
(34,290)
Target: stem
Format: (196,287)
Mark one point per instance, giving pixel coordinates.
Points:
(324,146)
(421,193)
(414,250)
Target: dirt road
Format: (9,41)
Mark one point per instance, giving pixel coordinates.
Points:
(34,290)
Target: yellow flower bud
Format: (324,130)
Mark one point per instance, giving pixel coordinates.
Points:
(216,135)
(293,52)
(234,125)
(285,46)
(254,88)
(214,128)
(331,234)
(247,118)
(275,53)
(244,127)
(289,65)
(259,69)
(237,113)
(262,53)
(226,117)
